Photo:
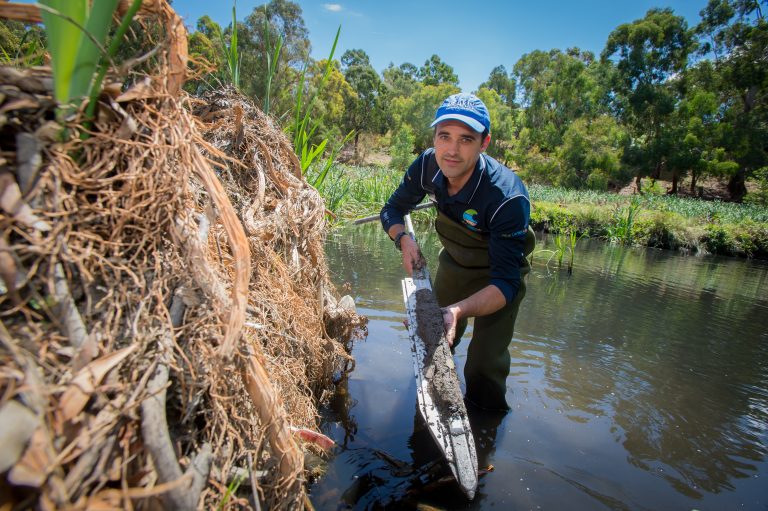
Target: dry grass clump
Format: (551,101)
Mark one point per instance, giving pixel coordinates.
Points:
(165,302)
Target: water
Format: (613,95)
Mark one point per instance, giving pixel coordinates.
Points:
(640,382)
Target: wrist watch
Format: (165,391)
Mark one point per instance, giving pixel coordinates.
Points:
(398,238)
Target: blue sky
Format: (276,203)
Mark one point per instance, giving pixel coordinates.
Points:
(473,37)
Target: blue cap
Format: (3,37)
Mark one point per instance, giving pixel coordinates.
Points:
(466,108)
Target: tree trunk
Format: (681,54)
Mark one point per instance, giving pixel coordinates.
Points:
(675,179)
(657,171)
(737,188)
(357,139)
(638,184)
(693,182)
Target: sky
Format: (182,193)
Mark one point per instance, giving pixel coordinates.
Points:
(472,36)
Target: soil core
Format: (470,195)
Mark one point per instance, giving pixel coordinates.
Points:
(439,369)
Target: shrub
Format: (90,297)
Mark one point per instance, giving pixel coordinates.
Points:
(401,148)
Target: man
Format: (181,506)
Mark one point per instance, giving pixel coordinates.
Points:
(482,222)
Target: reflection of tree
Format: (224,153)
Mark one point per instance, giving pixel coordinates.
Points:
(364,253)
(679,369)
(339,411)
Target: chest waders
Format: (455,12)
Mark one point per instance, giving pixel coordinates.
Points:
(463,269)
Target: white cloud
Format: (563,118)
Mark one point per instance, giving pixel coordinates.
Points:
(333,7)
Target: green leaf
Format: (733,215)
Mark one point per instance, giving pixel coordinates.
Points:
(63,41)
(89,54)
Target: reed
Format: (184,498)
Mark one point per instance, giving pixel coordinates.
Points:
(272,60)
(77,32)
(231,54)
(624,219)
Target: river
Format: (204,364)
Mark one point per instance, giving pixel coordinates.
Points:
(638,382)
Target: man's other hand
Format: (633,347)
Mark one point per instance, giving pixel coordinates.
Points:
(450,320)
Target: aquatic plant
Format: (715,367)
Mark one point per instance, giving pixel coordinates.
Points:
(624,218)
(77,32)
(233,58)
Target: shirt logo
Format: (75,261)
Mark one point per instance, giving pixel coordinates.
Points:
(470,219)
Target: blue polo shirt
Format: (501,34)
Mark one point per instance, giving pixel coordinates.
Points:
(494,202)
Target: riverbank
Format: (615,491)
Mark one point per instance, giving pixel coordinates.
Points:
(653,219)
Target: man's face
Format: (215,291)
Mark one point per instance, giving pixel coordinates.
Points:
(457,148)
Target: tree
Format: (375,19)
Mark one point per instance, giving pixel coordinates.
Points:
(363,112)
(502,124)
(418,110)
(436,72)
(590,156)
(21,40)
(283,18)
(402,80)
(556,88)
(332,100)
(647,53)
(206,50)
(736,32)
(504,85)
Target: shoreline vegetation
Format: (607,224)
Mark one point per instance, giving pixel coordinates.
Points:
(653,219)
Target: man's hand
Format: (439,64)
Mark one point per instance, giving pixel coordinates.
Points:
(450,320)
(411,254)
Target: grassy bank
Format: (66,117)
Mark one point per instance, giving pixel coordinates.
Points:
(660,221)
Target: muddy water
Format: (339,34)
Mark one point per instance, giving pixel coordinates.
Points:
(638,382)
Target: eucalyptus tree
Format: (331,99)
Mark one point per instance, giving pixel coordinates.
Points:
(363,109)
(735,34)
(556,88)
(257,38)
(503,83)
(502,124)
(648,53)
(402,80)
(418,110)
(207,53)
(436,72)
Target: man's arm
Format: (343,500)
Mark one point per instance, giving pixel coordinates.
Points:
(407,195)
(484,302)
(506,254)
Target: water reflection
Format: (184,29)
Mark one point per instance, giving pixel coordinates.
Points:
(638,382)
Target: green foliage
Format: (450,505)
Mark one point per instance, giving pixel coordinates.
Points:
(401,148)
(21,44)
(76,37)
(556,88)
(647,53)
(418,110)
(502,125)
(273,58)
(334,188)
(364,112)
(257,46)
(503,83)
(436,72)
(624,219)
(566,236)
(590,155)
(231,490)
(231,55)
(760,196)
(304,127)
